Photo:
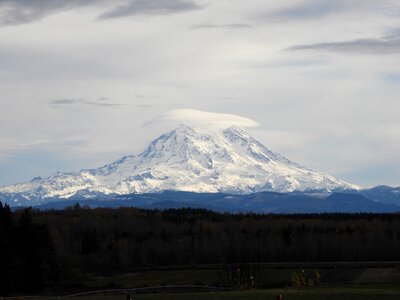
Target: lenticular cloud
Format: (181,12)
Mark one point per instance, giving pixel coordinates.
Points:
(204,119)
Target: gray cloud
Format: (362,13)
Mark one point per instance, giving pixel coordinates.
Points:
(392,33)
(222,26)
(144,105)
(150,7)
(64,101)
(358,46)
(15,12)
(311,9)
(392,78)
(102,102)
(317,9)
(65,141)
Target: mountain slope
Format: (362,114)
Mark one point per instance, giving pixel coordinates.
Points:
(184,160)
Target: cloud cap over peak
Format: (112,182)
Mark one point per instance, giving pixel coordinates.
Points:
(203,119)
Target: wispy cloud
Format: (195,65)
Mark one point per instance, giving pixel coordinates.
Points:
(66,141)
(150,7)
(222,26)
(358,46)
(99,102)
(15,12)
(312,9)
(8,148)
(285,63)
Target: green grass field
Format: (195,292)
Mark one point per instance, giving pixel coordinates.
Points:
(340,284)
(336,283)
(316,293)
(152,278)
(272,277)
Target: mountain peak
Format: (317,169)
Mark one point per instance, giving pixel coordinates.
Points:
(186,160)
(182,128)
(236,130)
(181,132)
(37,178)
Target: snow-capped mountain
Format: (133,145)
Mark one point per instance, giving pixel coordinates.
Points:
(183,160)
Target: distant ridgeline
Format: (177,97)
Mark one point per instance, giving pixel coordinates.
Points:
(41,249)
(376,200)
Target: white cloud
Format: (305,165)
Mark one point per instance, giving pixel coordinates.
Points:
(203,119)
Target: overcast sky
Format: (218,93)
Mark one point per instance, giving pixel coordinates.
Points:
(84,82)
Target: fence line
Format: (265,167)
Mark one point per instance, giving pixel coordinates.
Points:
(142,290)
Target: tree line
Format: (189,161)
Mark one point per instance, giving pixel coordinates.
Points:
(40,249)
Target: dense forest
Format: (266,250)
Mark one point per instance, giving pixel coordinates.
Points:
(39,249)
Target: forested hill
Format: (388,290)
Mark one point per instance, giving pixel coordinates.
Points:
(54,247)
(377,200)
